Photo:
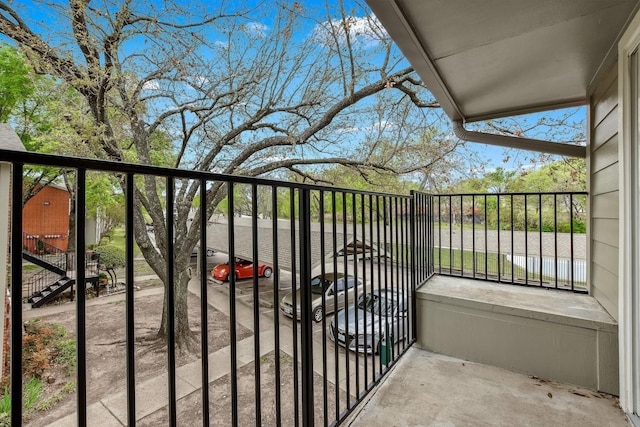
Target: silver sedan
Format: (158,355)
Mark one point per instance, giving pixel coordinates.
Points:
(363,326)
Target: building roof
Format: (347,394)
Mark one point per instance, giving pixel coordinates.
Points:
(9,140)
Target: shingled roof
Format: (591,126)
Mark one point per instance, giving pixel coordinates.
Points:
(9,139)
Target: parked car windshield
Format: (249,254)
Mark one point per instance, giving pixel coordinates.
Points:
(319,285)
(375,304)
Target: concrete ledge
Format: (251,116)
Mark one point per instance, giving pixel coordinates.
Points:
(557,335)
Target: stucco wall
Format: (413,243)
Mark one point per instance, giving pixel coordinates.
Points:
(551,334)
(604,191)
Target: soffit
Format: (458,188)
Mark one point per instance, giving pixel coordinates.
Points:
(492,58)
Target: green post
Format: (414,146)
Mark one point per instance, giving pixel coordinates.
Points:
(385,348)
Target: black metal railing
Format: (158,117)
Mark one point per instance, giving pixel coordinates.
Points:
(302,372)
(39,281)
(55,266)
(45,252)
(296,367)
(91,262)
(534,239)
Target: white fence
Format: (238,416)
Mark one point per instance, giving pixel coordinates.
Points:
(548,266)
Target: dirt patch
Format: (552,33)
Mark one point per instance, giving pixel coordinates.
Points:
(106,353)
(190,407)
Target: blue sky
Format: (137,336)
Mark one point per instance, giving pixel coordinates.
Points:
(564,125)
(491,157)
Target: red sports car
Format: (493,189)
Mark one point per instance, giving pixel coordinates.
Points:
(244,270)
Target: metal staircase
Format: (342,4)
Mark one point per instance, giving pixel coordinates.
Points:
(58,270)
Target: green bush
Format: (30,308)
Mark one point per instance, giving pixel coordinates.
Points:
(578,227)
(111,256)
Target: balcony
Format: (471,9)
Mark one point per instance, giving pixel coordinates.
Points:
(430,389)
(264,367)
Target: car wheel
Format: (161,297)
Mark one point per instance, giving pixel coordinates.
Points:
(267,272)
(210,252)
(318,314)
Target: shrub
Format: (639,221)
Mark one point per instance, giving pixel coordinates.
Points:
(40,345)
(111,256)
(578,227)
(31,394)
(44,345)
(5,405)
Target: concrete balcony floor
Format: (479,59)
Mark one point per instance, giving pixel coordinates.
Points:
(427,389)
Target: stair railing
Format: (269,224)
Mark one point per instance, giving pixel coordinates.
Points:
(37,247)
(91,262)
(40,281)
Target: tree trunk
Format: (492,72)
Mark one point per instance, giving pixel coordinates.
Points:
(183,335)
(71,240)
(71,245)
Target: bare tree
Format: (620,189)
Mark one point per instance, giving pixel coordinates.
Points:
(238,90)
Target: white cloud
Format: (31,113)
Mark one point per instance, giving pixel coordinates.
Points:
(381,125)
(275,159)
(151,85)
(366,30)
(200,80)
(256,29)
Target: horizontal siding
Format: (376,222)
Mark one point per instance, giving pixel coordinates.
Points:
(605,130)
(610,79)
(604,277)
(604,188)
(605,155)
(605,205)
(605,180)
(606,104)
(605,231)
(606,256)
(608,301)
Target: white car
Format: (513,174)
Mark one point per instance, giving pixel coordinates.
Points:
(196,249)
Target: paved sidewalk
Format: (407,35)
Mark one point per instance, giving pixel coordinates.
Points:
(30,313)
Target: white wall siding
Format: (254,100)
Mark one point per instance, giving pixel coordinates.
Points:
(604,190)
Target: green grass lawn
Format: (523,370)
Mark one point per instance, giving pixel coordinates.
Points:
(117,239)
(141,267)
(455,260)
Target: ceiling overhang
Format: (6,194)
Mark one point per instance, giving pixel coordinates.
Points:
(488,59)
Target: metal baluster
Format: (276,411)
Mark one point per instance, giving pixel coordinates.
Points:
(171,306)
